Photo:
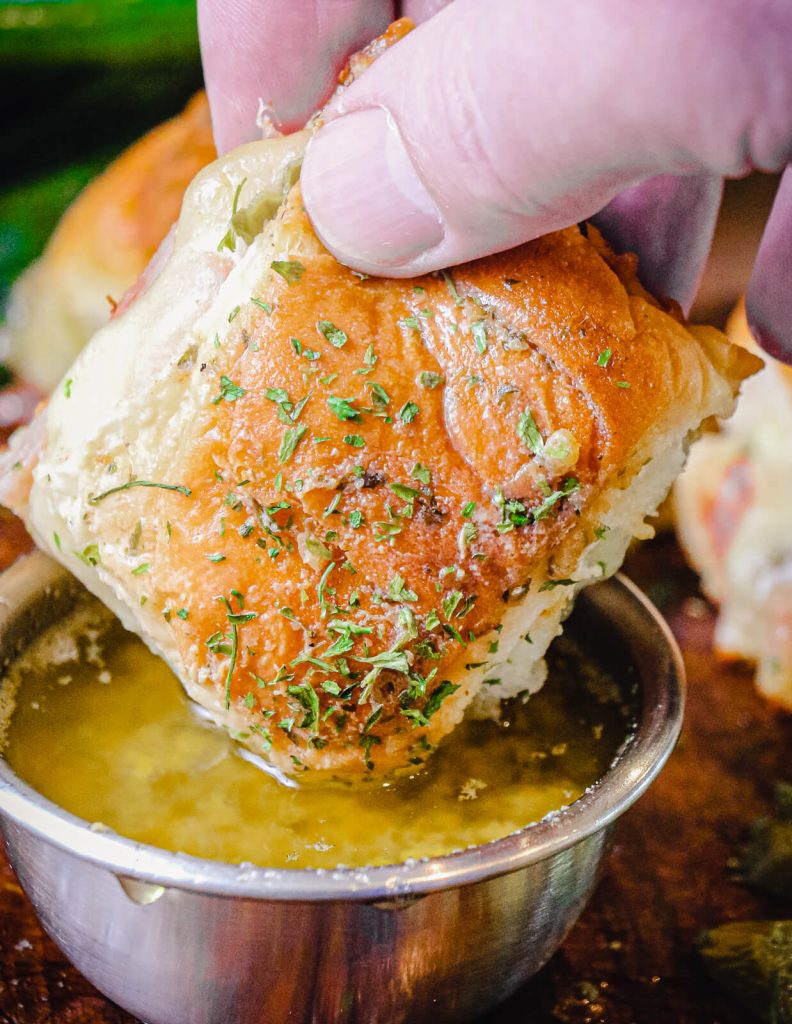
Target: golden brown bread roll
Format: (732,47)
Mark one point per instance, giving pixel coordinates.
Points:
(345,508)
(102,244)
(733,517)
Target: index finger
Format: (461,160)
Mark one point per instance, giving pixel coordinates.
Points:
(286,55)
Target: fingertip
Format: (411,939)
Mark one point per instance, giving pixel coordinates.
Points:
(364,196)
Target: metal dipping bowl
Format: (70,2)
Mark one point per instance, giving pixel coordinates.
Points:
(179,940)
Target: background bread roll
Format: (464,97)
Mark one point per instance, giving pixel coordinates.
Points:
(732,505)
(101,245)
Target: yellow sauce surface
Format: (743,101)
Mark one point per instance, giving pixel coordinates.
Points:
(101,727)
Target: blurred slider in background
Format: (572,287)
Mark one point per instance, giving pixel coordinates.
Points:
(80,80)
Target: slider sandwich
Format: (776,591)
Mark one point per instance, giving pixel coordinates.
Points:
(734,516)
(348,510)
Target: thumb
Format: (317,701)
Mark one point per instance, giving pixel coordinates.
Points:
(495,123)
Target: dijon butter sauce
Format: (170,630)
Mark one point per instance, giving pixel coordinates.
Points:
(100,726)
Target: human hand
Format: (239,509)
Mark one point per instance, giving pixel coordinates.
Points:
(494,123)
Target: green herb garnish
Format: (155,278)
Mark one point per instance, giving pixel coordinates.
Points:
(568,486)
(379,394)
(404,492)
(408,412)
(479,332)
(139,483)
(429,379)
(228,241)
(452,288)
(290,270)
(467,535)
(437,696)
(333,334)
(234,637)
(397,591)
(552,584)
(528,432)
(228,391)
(89,555)
(291,438)
(343,408)
(309,699)
(322,586)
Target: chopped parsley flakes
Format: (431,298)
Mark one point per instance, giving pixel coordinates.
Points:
(139,483)
(437,696)
(333,334)
(552,584)
(452,288)
(430,380)
(228,391)
(343,408)
(528,432)
(290,270)
(291,438)
(379,394)
(479,332)
(408,412)
(397,591)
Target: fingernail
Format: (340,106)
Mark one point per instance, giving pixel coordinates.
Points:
(363,194)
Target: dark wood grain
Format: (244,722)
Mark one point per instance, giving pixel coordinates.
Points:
(629,960)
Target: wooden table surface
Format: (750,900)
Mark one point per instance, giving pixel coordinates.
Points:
(629,960)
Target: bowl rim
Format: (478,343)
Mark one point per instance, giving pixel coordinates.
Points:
(659,721)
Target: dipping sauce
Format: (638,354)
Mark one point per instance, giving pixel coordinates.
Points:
(100,726)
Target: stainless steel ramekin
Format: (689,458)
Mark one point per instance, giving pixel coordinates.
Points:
(179,940)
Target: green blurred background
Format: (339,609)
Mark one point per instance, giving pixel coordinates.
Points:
(79,81)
